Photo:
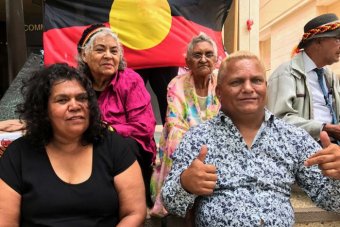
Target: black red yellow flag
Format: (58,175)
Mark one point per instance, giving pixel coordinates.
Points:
(154,33)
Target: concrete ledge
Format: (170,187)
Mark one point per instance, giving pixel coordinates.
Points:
(310,216)
(306,211)
(315,214)
(304,217)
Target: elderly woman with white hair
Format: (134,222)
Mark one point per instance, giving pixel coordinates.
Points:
(124,102)
(191,100)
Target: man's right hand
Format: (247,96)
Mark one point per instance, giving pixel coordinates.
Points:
(199,178)
(332,130)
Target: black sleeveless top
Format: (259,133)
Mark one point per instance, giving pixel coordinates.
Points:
(48,201)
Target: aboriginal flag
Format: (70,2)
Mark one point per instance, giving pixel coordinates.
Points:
(154,33)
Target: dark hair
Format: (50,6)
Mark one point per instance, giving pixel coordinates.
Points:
(36,91)
(86,35)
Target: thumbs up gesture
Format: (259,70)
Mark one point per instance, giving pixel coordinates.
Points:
(327,159)
(199,178)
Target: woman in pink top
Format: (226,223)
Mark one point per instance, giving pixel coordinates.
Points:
(122,97)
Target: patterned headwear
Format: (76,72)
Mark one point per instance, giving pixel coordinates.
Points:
(325,25)
(87,34)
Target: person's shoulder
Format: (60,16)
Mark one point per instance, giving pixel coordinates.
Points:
(328,71)
(129,75)
(116,151)
(130,80)
(295,137)
(17,146)
(21,141)
(214,74)
(113,138)
(205,127)
(288,128)
(179,80)
(282,70)
(201,133)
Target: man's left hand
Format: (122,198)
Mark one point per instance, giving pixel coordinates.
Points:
(328,159)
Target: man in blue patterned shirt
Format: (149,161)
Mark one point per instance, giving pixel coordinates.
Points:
(238,168)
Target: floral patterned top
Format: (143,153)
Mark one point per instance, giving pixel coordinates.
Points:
(183,112)
(254,185)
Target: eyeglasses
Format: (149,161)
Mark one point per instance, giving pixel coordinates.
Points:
(199,56)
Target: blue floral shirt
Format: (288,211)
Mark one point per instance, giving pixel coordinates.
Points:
(254,185)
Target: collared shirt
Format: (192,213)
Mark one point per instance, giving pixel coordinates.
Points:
(321,110)
(126,106)
(254,185)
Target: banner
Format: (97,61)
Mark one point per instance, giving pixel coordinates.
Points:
(154,33)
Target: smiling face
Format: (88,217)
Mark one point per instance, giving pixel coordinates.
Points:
(242,88)
(104,57)
(68,109)
(202,59)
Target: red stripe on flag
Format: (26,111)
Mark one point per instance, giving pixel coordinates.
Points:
(171,51)
(60,45)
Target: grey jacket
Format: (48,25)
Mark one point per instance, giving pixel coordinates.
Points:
(290,98)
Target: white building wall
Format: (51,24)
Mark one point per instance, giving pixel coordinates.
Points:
(287,33)
(285,28)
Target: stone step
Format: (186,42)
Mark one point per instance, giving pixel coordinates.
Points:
(306,214)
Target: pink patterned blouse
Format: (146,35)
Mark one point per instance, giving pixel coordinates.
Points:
(126,106)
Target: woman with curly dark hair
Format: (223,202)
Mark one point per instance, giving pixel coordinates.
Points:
(68,169)
(37,91)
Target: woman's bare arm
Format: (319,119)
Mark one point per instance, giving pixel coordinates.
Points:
(12,125)
(131,193)
(9,206)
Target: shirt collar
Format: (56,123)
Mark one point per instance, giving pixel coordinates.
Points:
(114,79)
(268,116)
(309,63)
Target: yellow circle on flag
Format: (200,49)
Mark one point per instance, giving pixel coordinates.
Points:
(140,24)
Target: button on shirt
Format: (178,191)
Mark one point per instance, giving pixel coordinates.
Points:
(253,186)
